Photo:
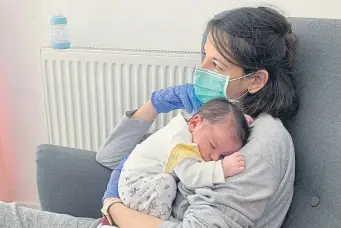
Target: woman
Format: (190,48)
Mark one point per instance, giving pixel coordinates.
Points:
(254,48)
(257,42)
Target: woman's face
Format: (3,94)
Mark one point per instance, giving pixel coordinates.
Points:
(214,61)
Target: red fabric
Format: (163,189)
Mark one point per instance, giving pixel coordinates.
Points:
(104,221)
(6,158)
(4,183)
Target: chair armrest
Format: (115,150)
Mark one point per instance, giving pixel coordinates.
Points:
(70,181)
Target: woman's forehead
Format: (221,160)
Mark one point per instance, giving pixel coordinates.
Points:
(210,47)
(212,51)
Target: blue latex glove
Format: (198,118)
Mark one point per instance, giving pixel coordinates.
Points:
(112,187)
(176,97)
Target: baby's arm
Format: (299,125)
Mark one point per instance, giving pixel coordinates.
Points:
(187,163)
(194,174)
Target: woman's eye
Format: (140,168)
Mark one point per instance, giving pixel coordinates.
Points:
(216,66)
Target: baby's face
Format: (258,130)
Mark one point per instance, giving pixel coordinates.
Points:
(214,140)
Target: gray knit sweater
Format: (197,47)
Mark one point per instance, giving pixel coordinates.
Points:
(259,197)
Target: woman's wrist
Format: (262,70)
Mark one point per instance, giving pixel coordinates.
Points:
(107,204)
(147,112)
(113,210)
(108,199)
(126,217)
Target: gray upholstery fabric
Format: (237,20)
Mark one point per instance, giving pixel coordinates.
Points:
(70,181)
(317,129)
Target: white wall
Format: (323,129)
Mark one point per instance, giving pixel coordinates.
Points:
(176,24)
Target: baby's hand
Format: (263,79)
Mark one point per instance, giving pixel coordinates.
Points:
(233,164)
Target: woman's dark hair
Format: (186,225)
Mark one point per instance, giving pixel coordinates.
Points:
(219,109)
(255,39)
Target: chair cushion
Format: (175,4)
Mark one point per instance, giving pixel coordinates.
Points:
(70,181)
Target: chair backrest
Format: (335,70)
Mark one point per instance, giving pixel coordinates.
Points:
(316,131)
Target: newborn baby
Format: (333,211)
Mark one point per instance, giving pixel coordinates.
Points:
(200,152)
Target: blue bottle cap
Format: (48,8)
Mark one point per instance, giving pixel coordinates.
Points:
(58,20)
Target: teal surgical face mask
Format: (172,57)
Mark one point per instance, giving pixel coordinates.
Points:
(209,85)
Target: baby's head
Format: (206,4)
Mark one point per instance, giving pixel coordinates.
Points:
(219,129)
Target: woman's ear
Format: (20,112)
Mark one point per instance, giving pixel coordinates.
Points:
(194,122)
(258,81)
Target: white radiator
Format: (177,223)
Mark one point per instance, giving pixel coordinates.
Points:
(87,90)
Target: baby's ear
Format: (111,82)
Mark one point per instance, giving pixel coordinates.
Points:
(194,122)
(248,119)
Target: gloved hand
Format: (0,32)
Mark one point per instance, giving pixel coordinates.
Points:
(112,187)
(176,97)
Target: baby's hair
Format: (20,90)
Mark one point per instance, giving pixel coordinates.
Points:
(218,110)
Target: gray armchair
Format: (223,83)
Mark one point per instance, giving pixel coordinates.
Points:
(70,181)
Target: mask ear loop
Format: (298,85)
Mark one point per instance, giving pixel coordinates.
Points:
(227,82)
(237,100)
(247,75)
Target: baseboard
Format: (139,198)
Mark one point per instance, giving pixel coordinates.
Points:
(30,205)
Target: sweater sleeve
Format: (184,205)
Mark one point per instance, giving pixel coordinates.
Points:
(242,200)
(122,140)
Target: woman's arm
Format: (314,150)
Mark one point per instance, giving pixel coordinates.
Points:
(146,113)
(126,135)
(125,217)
